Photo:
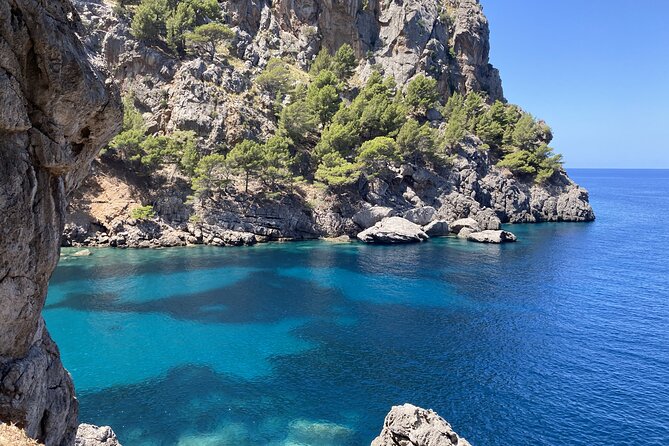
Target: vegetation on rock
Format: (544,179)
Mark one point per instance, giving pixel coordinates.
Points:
(143,213)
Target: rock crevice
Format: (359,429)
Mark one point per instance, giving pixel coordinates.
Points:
(55,114)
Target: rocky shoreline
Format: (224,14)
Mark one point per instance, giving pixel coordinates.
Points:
(438,206)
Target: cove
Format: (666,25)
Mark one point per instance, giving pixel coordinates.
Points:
(561,337)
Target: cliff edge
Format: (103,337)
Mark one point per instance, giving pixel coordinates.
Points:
(55,114)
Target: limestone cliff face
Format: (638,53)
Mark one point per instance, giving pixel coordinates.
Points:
(448,40)
(55,114)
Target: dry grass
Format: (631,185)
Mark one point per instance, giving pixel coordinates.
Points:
(11,435)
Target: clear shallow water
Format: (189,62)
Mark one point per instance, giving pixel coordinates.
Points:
(562,337)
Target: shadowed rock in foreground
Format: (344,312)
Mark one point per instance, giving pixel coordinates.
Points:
(55,114)
(409,425)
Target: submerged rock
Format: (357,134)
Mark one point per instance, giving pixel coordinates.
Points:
(303,432)
(90,435)
(393,230)
(83,253)
(409,425)
(492,237)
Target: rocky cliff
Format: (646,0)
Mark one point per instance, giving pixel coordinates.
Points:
(55,114)
(446,40)
(408,425)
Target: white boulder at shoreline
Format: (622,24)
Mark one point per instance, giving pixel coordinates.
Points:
(393,230)
(492,237)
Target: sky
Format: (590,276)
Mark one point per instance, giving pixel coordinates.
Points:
(597,71)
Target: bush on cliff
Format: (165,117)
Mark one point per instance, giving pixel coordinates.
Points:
(143,213)
(422,95)
(171,21)
(208,37)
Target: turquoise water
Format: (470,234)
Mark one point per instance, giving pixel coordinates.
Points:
(561,338)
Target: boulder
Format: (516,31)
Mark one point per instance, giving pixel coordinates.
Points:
(438,228)
(90,435)
(487,219)
(465,232)
(469,223)
(409,425)
(421,216)
(369,217)
(393,230)
(492,237)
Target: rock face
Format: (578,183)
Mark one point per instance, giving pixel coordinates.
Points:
(393,230)
(446,39)
(369,217)
(409,425)
(90,435)
(55,114)
(491,237)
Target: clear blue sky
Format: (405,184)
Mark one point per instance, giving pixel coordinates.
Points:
(596,70)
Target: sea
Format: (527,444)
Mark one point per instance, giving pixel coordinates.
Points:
(560,338)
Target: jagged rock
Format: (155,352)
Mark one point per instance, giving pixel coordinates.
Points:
(408,425)
(447,40)
(421,216)
(464,223)
(491,237)
(393,230)
(438,228)
(55,114)
(369,217)
(488,220)
(90,435)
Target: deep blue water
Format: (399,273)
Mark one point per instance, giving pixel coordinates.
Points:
(561,338)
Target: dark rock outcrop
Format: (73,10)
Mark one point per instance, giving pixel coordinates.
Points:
(55,114)
(408,425)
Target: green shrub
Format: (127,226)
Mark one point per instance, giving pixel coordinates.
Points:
(207,37)
(143,213)
(246,157)
(276,79)
(149,20)
(344,62)
(211,175)
(335,171)
(414,139)
(422,94)
(275,161)
(375,155)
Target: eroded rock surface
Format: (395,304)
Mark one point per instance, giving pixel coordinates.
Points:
(90,435)
(489,236)
(55,114)
(393,230)
(408,425)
